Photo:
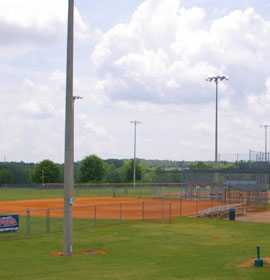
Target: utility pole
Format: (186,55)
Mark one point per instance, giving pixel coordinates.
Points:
(134,161)
(69,139)
(265,143)
(216,79)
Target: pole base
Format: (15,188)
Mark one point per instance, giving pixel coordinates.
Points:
(258,263)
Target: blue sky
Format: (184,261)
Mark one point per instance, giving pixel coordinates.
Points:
(141,60)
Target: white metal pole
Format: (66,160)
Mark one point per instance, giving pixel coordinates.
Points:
(265,143)
(265,140)
(216,130)
(134,161)
(216,79)
(69,139)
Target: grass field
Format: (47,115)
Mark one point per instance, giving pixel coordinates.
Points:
(24,193)
(29,193)
(187,249)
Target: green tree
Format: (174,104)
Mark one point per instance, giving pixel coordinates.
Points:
(91,169)
(175,176)
(6,176)
(46,172)
(129,170)
(149,177)
(116,162)
(113,174)
(160,175)
(200,165)
(19,170)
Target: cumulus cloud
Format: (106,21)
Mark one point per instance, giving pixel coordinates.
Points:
(93,138)
(30,24)
(42,101)
(165,52)
(151,68)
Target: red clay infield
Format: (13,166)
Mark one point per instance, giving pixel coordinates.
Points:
(107,207)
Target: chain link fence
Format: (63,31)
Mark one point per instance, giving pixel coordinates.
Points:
(51,220)
(172,200)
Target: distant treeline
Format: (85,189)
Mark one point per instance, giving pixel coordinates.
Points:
(115,171)
(94,169)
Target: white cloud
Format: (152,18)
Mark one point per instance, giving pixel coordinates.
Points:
(31,24)
(42,101)
(242,37)
(151,68)
(93,138)
(165,52)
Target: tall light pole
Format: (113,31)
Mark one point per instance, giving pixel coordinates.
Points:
(216,79)
(134,161)
(265,136)
(69,139)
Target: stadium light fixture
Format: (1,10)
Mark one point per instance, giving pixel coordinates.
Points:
(216,79)
(134,160)
(77,97)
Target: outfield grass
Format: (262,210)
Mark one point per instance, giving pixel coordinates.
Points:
(29,193)
(187,249)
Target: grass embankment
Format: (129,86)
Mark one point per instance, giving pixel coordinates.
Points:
(188,249)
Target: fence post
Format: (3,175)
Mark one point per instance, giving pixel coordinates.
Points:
(170,212)
(143,210)
(162,209)
(197,204)
(95,210)
(180,206)
(28,221)
(248,200)
(48,220)
(120,213)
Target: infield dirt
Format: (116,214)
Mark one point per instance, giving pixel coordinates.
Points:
(108,206)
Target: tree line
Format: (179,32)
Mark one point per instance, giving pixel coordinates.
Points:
(93,169)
